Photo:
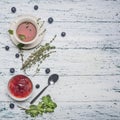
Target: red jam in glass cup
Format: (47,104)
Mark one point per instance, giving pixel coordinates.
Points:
(20,87)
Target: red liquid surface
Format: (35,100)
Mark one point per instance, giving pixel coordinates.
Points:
(20,86)
(26,31)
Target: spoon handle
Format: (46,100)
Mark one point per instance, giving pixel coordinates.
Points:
(35,98)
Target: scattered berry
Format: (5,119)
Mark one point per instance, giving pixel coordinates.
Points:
(36,7)
(7,48)
(12,105)
(37,86)
(13,9)
(50,20)
(17,55)
(12,70)
(63,34)
(47,70)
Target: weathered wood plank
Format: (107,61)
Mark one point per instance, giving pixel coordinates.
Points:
(73,88)
(71,62)
(78,35)
(68,10)
(68,111)
(85,35)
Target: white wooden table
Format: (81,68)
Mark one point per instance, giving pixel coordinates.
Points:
(87,58)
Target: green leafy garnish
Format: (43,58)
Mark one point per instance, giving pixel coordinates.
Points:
(10,32)
(22,37)
(45,106)
(20,46)
(39,55)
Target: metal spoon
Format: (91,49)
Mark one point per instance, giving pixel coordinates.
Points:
(51,80)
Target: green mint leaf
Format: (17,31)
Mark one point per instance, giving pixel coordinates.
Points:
(20,46)
(32,113)
(22,37)
(49,110)
(10,32)
(33,107)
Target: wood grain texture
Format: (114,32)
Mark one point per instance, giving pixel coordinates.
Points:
(87,59)
(68,111)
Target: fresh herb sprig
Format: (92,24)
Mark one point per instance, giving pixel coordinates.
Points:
(20,46)
(45,106)
(39,55)
(10,32)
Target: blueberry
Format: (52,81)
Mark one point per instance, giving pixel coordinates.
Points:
(37,86)
(12,70)
(63,34)
(11,105)
(13,9)
(50,20)
(47,70)
(7,48)
(36,7)
(17,55)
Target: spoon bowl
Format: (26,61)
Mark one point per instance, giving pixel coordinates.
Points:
(53,79)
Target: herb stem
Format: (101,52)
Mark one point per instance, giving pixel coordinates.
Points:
(53,39)
(22,108)
(42,32)
(42,25)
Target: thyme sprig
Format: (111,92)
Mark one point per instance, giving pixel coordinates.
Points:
(39,55)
